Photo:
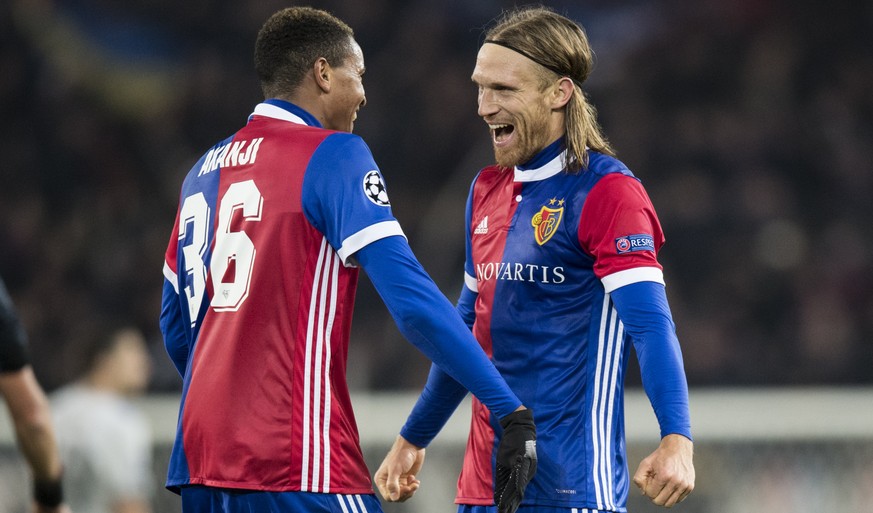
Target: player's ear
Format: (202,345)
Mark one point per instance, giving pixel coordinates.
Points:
(322,72)
(562,93)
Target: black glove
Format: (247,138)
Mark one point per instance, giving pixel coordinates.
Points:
(516,460)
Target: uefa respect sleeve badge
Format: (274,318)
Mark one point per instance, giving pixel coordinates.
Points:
(638,242)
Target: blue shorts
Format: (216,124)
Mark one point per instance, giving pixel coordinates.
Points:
(204,499)
(463,508)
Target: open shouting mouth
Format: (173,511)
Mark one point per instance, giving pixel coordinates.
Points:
(501,133)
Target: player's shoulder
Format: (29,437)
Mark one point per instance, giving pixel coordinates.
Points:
(494,169)
(343,146)
(613,179)
(602,165)
(492,174)
(340,158)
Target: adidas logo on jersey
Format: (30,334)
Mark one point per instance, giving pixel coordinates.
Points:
(483,227)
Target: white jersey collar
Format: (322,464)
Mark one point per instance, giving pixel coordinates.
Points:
(548,170)
(271,111)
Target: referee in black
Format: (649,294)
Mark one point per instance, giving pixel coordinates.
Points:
(29,410)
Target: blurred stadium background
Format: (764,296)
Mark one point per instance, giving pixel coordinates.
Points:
(750,122)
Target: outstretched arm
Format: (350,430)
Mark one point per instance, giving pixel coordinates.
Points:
(429,321)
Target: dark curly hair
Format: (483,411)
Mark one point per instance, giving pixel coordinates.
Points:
(291,40)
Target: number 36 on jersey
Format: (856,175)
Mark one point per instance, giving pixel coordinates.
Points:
(233,256)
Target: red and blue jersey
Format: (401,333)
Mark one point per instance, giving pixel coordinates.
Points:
(278,208)
(546,251)
(548,238)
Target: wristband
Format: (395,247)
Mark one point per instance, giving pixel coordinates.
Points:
(48,492)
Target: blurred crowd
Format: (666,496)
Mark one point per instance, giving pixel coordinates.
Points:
(749,122)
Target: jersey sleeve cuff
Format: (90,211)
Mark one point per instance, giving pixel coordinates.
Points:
(471,283)
(635,275)
(684,430)
(171,277)
(370,234)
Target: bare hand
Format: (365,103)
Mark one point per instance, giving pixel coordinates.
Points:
(395,478)
(667,475)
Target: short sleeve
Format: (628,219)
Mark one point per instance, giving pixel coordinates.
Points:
(13,343)
(344,196)
(620,230)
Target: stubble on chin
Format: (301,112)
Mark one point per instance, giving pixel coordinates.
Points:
(509,158)
(501,159)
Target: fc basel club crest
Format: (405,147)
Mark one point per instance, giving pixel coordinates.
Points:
(546,221)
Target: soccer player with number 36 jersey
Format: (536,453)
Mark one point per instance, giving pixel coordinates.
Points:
(260,276)
(561,279)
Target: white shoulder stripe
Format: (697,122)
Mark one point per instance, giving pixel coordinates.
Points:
(471,283)
(628,276)
(171,277)
(369,234)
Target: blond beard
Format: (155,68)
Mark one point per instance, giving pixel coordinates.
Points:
(526,146)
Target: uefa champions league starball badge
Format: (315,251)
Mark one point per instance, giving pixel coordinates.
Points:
(374,188)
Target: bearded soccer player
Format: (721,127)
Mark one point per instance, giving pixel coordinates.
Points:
(261,271)
(561,278)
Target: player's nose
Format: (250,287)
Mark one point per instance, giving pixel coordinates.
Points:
(487,105)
